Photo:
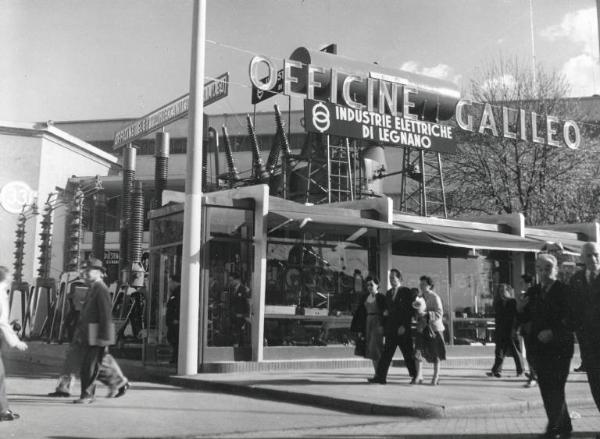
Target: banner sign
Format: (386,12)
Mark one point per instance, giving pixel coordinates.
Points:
(213,91)
(385,129)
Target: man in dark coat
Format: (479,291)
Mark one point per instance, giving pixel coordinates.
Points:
(398,331)
(172,316)
(584,301)
(546,307)
(97,311)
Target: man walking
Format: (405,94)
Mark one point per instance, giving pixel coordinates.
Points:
(397,331)
(585,310)
(546,307)
(96,313)
(110,372)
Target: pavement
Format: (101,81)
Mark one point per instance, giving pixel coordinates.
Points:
(464,387)
(282,402)
(462,390)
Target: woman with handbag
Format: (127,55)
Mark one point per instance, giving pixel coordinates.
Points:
(368,323)
(429,342)
(8,338)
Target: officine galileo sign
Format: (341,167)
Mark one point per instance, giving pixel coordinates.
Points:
(386,115)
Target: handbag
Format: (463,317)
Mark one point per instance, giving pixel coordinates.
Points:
(360,348)
(428,333)
(93,334)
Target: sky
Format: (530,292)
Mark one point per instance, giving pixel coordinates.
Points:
(106,59)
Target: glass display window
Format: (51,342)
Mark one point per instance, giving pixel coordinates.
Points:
(229,263)
(313,284)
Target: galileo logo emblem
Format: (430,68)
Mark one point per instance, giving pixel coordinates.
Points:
(320,117)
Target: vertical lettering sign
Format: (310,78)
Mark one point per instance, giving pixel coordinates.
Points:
(385,129)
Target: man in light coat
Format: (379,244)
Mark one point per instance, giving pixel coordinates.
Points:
(96,312)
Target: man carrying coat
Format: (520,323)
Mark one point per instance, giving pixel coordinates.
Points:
(97,313)
(398,331)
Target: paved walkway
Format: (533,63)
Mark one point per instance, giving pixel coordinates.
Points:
(461,391)
(335,403)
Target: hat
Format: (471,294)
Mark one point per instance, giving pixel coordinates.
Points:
(95,264)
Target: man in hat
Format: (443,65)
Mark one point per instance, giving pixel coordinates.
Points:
(96,331)
(110,372)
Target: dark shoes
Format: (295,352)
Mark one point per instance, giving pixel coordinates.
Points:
(8,416)
(84,400)
(416,380)
(59,394)
(494,374)
(122,390)
(580,368)
(376,380)
(117,392)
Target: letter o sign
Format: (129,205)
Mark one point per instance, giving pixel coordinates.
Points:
(272,74)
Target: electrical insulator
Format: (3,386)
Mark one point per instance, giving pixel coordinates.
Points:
(19,252)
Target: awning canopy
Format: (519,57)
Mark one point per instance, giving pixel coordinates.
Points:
(464,238)
(352,223)
(335,223)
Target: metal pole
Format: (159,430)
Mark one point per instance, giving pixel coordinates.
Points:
(192,214)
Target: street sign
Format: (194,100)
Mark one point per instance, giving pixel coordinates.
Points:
(261,95)
(169,113)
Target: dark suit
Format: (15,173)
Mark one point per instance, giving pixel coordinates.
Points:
(505,335)
(584,301)
(401,313)
(549,310)
(96,309)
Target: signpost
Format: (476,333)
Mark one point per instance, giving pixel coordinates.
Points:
(169,113)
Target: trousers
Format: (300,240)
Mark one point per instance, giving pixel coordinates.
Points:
(109,374)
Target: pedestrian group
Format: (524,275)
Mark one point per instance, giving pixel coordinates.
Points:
(548,314)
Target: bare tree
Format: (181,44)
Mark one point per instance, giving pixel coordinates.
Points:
(501,175)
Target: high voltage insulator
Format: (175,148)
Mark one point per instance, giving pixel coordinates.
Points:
(285,144)
(259,172)
(45,244)
(161,166)
(74,232)
(137,223)
(136,277)
(19,248)
(233,172)
(129,155)
(99,226)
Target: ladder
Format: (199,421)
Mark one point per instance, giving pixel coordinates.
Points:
(340,186)
(422,188)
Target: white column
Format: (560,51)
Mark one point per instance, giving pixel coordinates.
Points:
(192,214)
(259,275)
(385,247)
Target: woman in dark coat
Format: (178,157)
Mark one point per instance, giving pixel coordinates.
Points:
(368,321)
(505,335)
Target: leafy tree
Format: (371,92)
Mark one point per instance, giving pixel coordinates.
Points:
(500,175)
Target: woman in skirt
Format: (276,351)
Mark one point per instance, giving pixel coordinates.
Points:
(368,322)
(429,342)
